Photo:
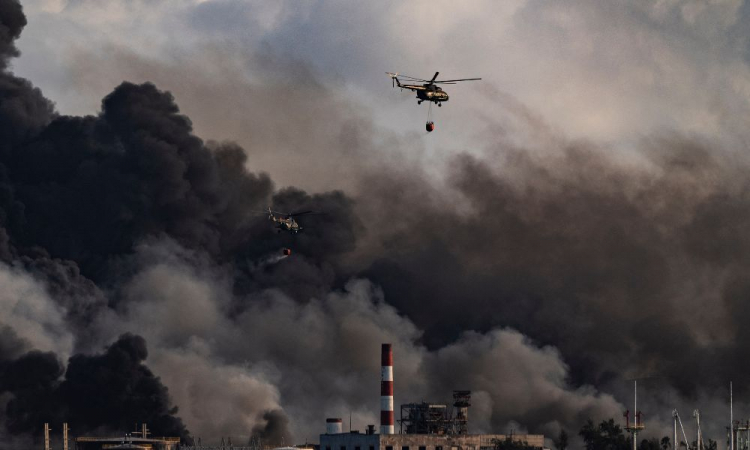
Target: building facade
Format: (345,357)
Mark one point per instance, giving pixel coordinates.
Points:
(358,441)
(131,442)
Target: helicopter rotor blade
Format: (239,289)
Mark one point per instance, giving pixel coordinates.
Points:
(432,81)
(300,213)
(414,78)
(461,79)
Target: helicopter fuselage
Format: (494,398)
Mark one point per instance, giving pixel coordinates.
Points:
(286,224)
(432,94)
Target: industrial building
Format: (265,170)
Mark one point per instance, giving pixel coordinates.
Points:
(128,442)
(428,418)
(422,426)
(358,441)
(138,440)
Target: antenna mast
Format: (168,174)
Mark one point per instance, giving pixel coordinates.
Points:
(699,441)
(637,419)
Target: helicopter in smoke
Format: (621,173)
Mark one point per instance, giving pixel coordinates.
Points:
(286,221)
(427,91)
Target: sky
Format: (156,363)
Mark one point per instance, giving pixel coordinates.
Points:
(603,71)
(580,211)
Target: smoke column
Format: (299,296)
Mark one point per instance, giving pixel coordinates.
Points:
(386,390)
(579,267)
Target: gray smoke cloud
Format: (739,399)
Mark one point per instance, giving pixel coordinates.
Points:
(279,360)
(540,273)
(29,317)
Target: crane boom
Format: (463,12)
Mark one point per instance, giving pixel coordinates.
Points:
(676,415)
(699,441)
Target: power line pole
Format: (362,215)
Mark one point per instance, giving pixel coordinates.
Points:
(66,429)
(46,436)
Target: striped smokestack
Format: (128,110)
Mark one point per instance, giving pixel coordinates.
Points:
(386,390)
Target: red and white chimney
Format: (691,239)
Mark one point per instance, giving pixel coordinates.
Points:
(386,390)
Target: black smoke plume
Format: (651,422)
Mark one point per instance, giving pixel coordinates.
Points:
(101,393)
(581,252)
(33,380)
(78,194)
(274,431)
(115,390)
(540,279)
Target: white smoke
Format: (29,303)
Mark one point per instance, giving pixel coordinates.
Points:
(27,309)
(268,260)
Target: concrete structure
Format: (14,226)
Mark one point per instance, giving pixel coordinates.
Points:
(357,441)
(150,443)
